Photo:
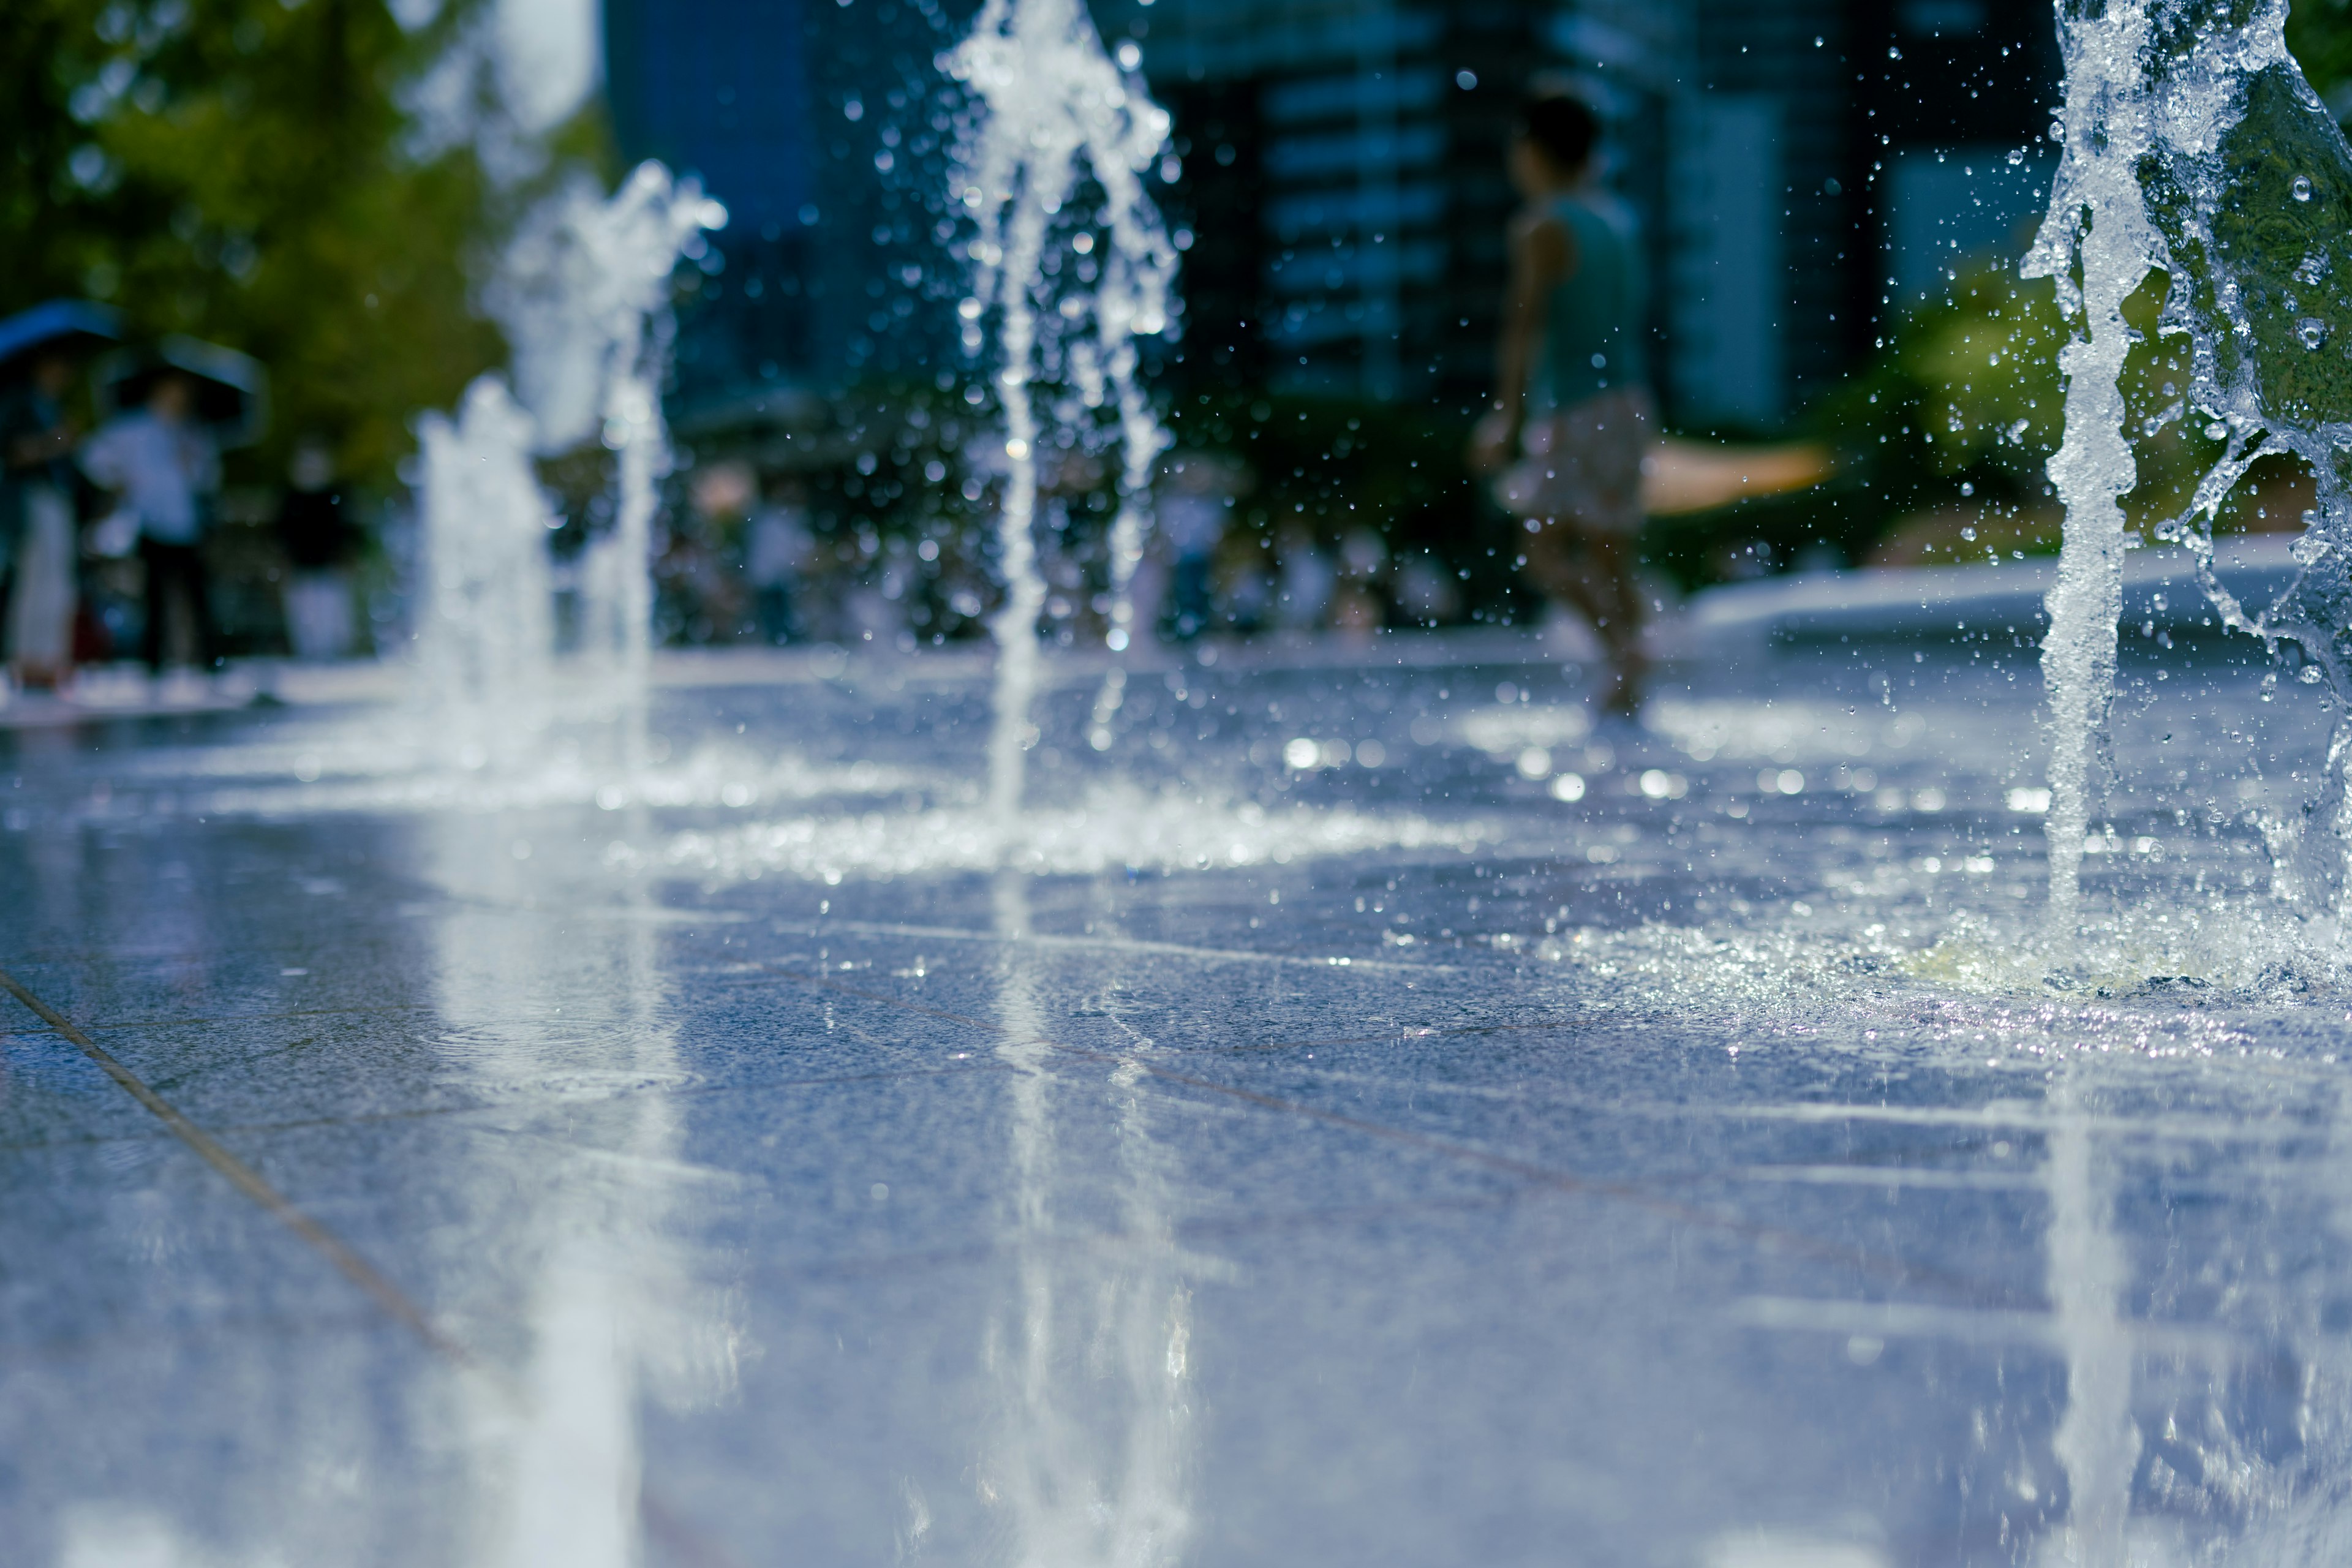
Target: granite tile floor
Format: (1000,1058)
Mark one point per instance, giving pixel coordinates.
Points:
(1364,1115)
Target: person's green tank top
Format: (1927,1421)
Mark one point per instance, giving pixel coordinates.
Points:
(1592,329)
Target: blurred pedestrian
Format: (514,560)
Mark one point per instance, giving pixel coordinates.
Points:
(1192,510)
(321,538)
(1303,592)
(1573,392)
(166,468)
(37,521)
(776,544)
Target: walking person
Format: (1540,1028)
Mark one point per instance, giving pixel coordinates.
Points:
(1192,510)
(166,466)
(776,546)
(1573,394)
(36,521)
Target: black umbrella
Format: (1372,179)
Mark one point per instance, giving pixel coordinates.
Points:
(76,324)
(232,389)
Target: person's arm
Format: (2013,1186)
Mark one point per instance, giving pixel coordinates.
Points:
(1543,256)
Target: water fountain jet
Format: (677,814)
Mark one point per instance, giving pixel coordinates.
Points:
(582,295)
(1051,112)
(2194,146)
(487,639)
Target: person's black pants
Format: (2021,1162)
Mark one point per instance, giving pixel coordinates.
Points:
(175,574)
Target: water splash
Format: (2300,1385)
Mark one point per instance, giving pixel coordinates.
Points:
(2097,221)
(1110,828)
(486,640)
(1072,266)
(2195,146)
(583,294)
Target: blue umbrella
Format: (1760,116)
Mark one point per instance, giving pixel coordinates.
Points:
(76,322)
(232,389)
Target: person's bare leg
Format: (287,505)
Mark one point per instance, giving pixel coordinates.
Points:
(1557,565)
(179,625)
(1609,561)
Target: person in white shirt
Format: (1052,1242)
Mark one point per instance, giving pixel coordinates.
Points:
(165,466)
(1192,508)
(776,547)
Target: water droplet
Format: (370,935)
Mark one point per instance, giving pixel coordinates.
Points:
(2302,188)
(2312,331)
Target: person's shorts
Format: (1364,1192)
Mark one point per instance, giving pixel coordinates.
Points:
(1583,464)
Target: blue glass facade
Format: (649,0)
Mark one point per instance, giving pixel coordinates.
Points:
(822,126)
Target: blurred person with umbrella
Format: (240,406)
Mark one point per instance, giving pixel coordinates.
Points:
(40,354)
(161,453)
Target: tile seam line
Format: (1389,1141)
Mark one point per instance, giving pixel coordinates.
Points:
(313,1123)
(372,1282)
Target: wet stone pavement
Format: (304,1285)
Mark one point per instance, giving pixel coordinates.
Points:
(1364,1115)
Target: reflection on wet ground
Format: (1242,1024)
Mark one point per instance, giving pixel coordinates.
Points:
(1366,1115)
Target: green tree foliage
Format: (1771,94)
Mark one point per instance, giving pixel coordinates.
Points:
(247,171)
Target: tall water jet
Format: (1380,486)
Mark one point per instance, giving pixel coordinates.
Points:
(1071,266)
(2097,221)
(486,638)
(583,294)
(2194,145)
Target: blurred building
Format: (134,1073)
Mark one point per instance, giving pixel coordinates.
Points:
(820,126)
(1800,168)
(1344,183)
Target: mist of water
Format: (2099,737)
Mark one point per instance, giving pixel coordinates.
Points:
(1071,266)
(582,294)
(485,632)
(2097,222)
(2195,147)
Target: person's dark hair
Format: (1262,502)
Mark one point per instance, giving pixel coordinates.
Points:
(1564,127)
